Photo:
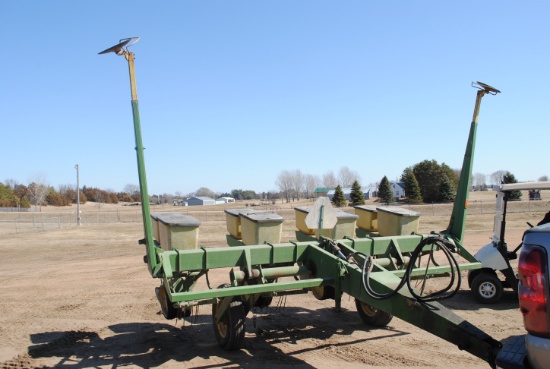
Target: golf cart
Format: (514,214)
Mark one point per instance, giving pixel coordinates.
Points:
(485,283)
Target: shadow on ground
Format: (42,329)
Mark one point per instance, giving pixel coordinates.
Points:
(147,345)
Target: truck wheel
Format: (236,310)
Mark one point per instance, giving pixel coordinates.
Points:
(487,288)
(372,316)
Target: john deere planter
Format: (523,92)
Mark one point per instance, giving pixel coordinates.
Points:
(384,264)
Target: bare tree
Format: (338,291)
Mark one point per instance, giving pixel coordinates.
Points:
(131,189)
(205,192)
(496,177)
(38,189)
(11,183)
(543,178)
(311,183)
(285,184)
(329,180)
(297,184)
(99,198)
(346,177)
(168,198)
(480,181)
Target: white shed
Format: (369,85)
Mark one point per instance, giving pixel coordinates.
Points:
(201,200)
(224,200)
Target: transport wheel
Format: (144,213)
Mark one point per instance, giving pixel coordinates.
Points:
(263,301)
(372,316)
(487,288)
(323,292)
(167,308)
(229,330)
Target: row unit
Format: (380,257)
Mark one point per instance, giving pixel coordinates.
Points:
(254,227)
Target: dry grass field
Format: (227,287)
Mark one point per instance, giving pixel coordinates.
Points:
(81,297)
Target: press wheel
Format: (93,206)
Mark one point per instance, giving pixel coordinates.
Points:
(230,330)
(372,316)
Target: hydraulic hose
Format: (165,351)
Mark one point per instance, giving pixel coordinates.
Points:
(441,294)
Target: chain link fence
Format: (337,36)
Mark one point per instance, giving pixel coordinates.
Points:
(24,222)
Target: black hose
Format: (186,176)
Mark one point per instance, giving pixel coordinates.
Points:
(444,245)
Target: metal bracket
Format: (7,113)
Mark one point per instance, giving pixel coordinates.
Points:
(485,87)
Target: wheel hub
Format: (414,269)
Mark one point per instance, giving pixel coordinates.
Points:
(487,290)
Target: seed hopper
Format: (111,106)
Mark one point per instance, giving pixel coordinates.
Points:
(386,274)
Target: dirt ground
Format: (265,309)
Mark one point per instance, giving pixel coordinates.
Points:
(83,298)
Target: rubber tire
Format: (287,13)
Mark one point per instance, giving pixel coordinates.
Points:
(372,316)
(263,301)
(487,288)
(323,292)
(230,329)
(168,310)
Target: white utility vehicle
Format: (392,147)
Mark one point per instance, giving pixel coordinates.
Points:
(485,283)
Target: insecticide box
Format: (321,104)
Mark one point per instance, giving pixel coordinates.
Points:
(301,214)
(233,221)
(368,217)
(261,227)
(396,221)
(345,226)
(177,231)
(155,226)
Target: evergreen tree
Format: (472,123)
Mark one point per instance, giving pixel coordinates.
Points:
(429,175)
(357,196)
(412,189)
(510,178)
(7,198)
(385,193)
(446,193)
(25,203)
(339,200)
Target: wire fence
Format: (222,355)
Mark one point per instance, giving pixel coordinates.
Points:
(35,222)
(14,210)
(25,222)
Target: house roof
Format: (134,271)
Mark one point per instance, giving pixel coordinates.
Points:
(203,198)
(348,190)
(400,184)
(323,189)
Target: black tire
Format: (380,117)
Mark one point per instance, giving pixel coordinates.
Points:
(487,288)
(230,330)
(372,316)
(166,306)
(323,292)
(263,301)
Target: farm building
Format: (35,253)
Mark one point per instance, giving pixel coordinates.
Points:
(370,193)
(398,189)
(322,191)
(201,200)
(347,192)
(224,200)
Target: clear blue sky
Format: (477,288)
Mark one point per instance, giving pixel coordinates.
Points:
(231,93)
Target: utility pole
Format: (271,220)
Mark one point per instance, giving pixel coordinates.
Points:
(77,196)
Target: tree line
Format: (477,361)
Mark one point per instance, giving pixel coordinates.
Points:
(424,182)
(13,194)
(293,184)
